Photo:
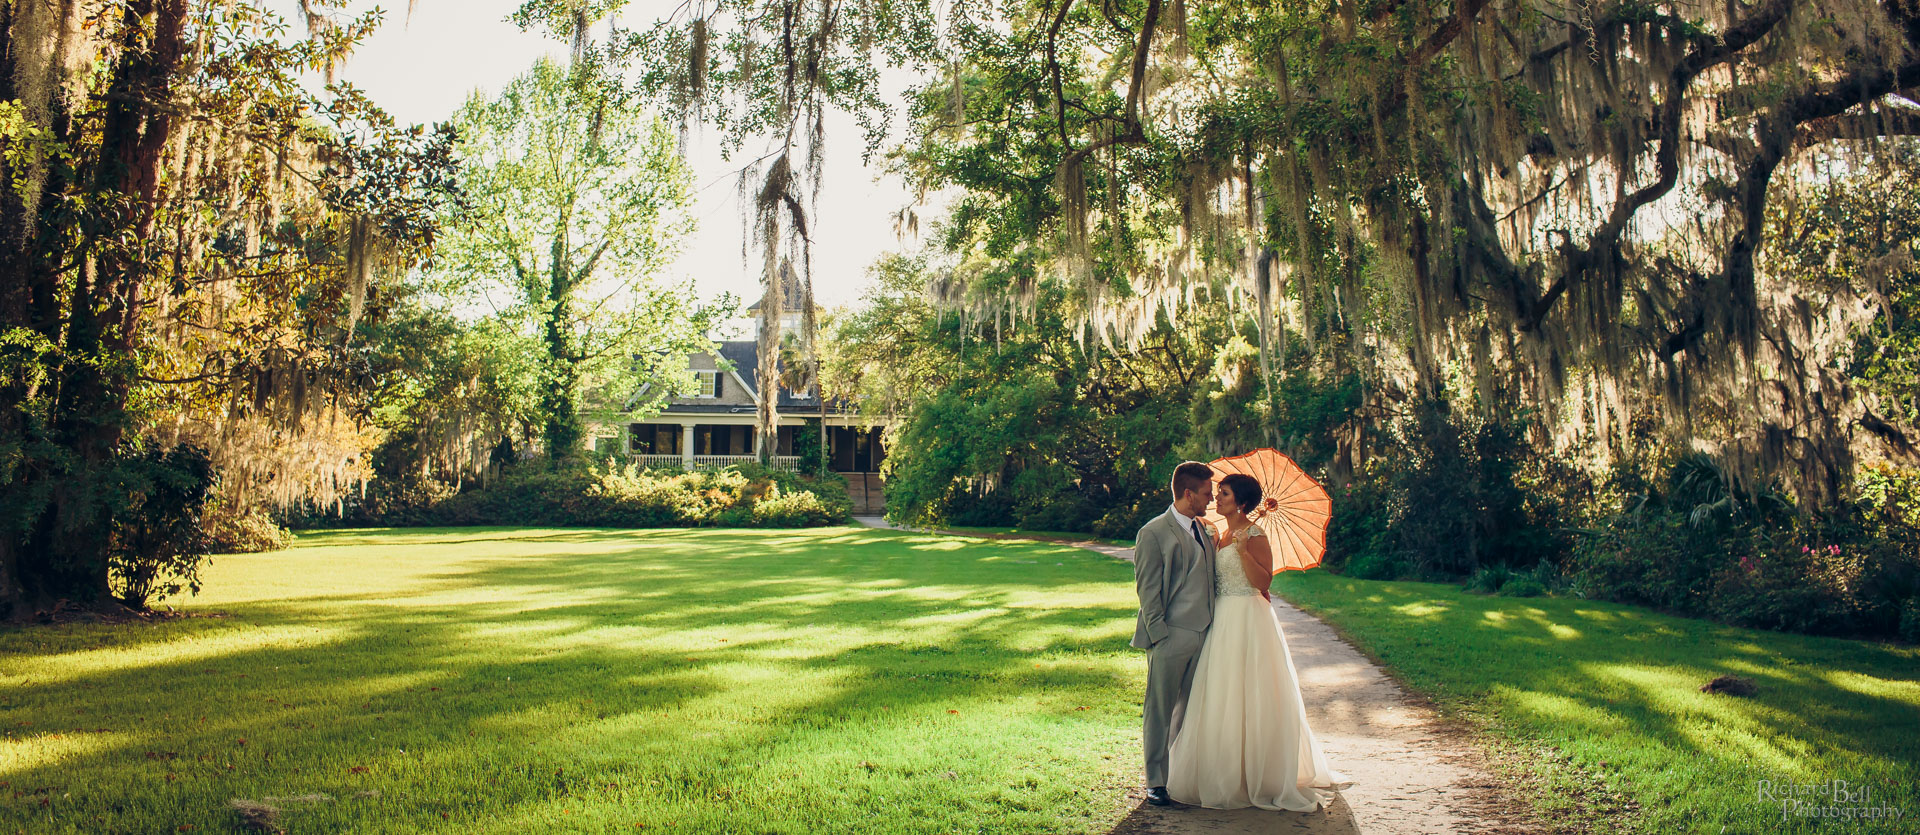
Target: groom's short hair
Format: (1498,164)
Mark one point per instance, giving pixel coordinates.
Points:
(1190,476)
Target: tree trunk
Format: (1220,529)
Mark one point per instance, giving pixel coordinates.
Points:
(558,391)
(16,256)
(62,551)
(768,416)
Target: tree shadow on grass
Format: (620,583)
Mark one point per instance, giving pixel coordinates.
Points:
(1584,673)
(507,700)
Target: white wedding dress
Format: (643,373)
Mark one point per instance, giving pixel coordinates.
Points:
(1245,740)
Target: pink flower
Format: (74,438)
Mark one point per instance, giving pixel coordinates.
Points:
(1833,549)
(1805,550)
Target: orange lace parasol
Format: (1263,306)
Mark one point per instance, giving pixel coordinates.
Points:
(1294,513)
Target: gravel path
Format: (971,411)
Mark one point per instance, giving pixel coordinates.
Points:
(1411,772)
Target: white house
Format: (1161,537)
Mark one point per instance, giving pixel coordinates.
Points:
(717,425)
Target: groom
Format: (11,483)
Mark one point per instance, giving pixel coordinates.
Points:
(1173,574)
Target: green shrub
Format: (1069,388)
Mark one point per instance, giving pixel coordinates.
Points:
(807,448)
(1522,586)
(1835,574)
(1375,565)
(1467,492)
(1489,579)
(622,496)
(794,510)
(1659,561)
(158,545)
(1125,521)
(251,532)
(1910,621)
(1361,520)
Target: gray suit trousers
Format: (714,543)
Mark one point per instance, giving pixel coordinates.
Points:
(1170,666)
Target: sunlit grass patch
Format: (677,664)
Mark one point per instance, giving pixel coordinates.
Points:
(1612,692)
(467,680)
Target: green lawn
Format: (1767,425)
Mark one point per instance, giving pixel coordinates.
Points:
(1608,694)
(1054,536)
(838,679)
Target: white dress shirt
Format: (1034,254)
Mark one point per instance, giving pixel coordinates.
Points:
(1186,522)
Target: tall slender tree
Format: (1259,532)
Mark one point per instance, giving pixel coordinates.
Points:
(578,201)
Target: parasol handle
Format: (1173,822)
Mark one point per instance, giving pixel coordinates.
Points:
(1267,506)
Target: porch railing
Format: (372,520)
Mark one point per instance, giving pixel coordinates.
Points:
(715,462)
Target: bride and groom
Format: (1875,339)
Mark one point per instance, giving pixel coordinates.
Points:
(1225,725)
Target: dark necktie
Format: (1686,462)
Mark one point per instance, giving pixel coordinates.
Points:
(1196,535)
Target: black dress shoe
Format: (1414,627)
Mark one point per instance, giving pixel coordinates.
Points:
(1158,796)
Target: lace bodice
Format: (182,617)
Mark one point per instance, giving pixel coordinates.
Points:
(1229,579)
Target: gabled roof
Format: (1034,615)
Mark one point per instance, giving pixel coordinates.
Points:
(746,362)
(745,356)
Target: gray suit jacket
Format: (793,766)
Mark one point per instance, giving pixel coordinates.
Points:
(1173,574)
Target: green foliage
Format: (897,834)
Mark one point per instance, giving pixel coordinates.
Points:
(1489,579)
(1503,580)
(1360,539)
(578,199)
(808,447)
(803,509)
(1453,494)
(445,392)
(1232,413)
(1024,427)
(1523,586)
(1309,407)
(1700,548)
(1614,692)
(248,532)
(622,496)
(1376,565)
(189,234)
(158,543)
(1858,234)
(1312,411)
(1890,493)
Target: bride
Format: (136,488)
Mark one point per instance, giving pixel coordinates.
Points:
(1245,741)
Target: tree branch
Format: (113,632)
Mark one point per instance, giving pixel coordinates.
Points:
(1903,121)
(1053,69)
(1708,52)
(1137,89)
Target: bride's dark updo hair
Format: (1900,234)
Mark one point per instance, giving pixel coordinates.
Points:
(1246,491)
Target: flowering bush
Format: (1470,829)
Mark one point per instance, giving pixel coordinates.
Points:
(1812,576)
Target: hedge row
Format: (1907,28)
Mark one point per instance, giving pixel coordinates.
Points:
(613,496)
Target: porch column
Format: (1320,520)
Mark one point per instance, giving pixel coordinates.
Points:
(686,446)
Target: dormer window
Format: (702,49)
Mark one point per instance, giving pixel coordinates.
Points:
(709,383)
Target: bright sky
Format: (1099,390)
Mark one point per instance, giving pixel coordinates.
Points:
(422,69)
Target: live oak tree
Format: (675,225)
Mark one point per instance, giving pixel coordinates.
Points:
(577,201)
(1559,203)
(188,236)
(1528,205)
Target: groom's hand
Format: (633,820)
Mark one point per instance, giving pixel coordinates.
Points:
(1149,580)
